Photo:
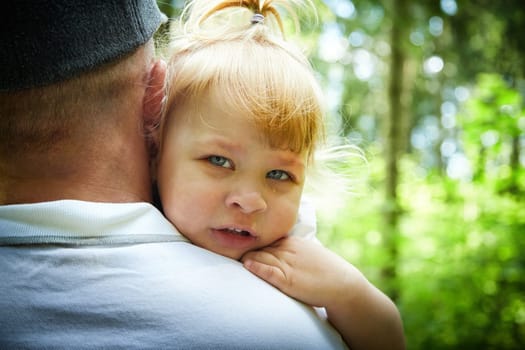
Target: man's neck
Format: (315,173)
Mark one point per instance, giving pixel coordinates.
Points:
(117,179)
(43,190)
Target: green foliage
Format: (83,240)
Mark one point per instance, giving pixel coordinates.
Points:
(461,264)
(461,270)
(492,121)
(493,106)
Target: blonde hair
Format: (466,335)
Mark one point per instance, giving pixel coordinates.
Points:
(220,45)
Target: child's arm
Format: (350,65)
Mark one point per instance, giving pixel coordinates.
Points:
(364,316)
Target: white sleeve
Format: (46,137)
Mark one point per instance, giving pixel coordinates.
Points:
(306,225)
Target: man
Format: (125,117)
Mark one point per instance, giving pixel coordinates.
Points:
(85,260)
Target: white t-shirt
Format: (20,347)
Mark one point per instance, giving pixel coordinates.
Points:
(98,275)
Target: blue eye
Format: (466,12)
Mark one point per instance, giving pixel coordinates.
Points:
(278,175)
(220,161)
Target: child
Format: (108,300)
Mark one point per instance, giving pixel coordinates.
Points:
(242,120)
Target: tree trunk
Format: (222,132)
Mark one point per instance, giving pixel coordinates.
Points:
(394,133)
(514,164)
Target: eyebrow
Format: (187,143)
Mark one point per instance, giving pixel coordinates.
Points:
(219,141)
(282,157)
(286,160)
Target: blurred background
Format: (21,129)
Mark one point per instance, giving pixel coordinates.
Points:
(433,93)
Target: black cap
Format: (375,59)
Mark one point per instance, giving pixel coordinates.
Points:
(47,41)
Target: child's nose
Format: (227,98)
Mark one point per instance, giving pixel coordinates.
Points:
(247,202)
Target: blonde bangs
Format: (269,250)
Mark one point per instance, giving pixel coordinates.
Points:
(260,80)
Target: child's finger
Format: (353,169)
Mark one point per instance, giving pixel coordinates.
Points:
(271,274)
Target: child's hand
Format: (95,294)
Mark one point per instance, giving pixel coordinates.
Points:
(305,270)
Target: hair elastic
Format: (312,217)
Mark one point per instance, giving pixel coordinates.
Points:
(257,18)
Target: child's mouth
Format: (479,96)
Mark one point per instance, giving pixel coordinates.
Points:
(237,231)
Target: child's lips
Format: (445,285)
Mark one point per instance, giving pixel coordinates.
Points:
(237,230)
(234,237)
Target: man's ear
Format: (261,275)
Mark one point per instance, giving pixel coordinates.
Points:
(154,99)
(155,93)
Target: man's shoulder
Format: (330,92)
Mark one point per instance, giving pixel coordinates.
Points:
(158,295)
